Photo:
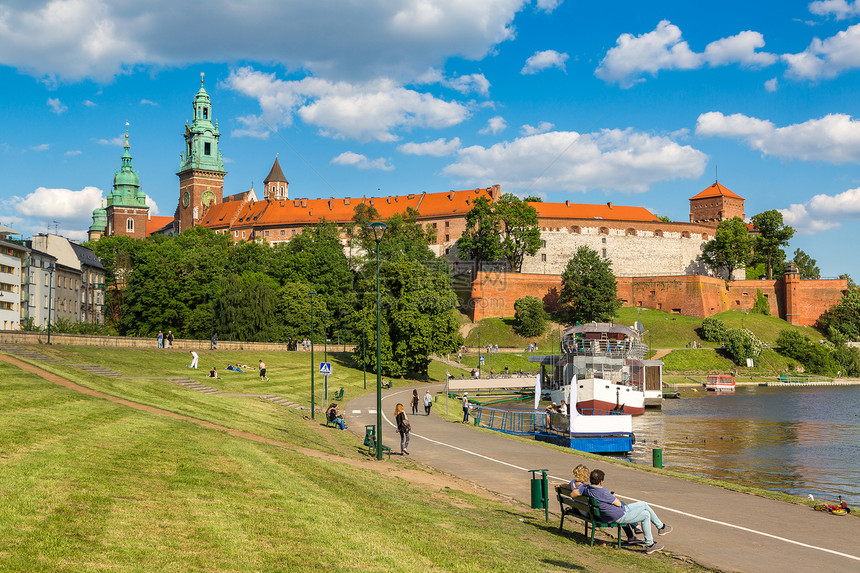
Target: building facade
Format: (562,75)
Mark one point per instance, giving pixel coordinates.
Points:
(39,284)
(12,256)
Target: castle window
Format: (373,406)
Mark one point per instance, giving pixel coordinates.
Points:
(282,232)
(243,234)
(543,257)
(129,225)
(604,230)
(207,148)
(658,233)
(447,223)
(704,236)
(631,232)
(576,230)
(604,253)
(603,240)
(447,251)
(686,234)
(543,244)
(294,231)
(205,113)
(447,238)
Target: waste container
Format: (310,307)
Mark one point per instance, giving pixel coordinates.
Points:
(540,496)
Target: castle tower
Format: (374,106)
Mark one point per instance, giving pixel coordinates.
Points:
(126,211)
(275,185)
(201,168)
(715,204)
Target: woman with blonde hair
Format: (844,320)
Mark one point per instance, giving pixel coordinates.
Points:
(402,427)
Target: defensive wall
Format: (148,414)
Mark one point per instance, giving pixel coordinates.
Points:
(797,301)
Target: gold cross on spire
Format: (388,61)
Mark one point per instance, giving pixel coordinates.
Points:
(201,77)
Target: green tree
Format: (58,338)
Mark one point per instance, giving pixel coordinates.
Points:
(772,234)
(245,308)
(730,249)
(741,344)
(844,316)
(815,358)
(805,265)
(714,329)
(664,218)
(520,233)
(589,291)
(480,240)
(761,304)
(294,312)
(530,318)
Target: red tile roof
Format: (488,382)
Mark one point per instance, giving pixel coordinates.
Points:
(155,223)
(608,211)
(221,215)
(716,190)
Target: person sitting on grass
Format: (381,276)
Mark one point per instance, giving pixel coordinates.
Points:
(332,415)
(234,368)
(213,373)
(614,512)
(577,487)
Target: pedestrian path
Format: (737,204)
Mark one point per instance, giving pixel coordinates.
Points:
(718,528)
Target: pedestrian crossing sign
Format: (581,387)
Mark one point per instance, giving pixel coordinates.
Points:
(325,368)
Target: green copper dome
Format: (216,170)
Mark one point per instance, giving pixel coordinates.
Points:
(201,137)
(126,190)
(99,220)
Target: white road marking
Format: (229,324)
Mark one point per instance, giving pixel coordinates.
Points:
(678,511)
(356,411)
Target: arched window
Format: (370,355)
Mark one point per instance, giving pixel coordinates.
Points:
(631,232)
(129,225)
(686,234)
(575,229)
(604,230)
(658,233)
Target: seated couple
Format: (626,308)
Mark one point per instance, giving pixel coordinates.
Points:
(616,511)
(332,415)
(235,368)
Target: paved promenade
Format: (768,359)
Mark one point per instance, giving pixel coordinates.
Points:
(717,528)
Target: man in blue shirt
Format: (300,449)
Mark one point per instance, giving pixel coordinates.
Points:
(637,512)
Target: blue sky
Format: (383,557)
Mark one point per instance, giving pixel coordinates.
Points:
(630,102)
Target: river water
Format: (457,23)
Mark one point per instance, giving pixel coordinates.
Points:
(797,440)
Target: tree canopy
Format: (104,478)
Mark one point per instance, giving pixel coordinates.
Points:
(481,238)
(520,233)
(772,234)
(730,249)
(806,266)
(589,291)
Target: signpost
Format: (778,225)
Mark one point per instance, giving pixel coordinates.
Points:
(325,368)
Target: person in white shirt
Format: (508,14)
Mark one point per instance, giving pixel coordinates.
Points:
(194,358)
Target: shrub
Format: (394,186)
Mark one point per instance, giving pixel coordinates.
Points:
(742,344)
(761,304)
(713,330)
(816,358)
(529,318)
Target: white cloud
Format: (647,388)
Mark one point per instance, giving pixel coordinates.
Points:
(119,140)
(438,148)
(663,49)
(618,159)
(540,61)
(57,106)
(41,147)
(89,103)
(73,209)
(823,212)
(838,8)
(834,138)
(771,85)
(542,127)
(148,102)
(73,152)
(548,5)
(494,125)
(361,161)
(826,58)
(373,110)
(75,39)
(469,83)
(153,206)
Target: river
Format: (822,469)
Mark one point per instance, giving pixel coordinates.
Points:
(797,440)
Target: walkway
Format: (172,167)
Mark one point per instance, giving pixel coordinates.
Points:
(717,528)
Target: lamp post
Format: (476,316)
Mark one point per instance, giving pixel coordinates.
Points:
(313,408)
(212,304)
(363,360)
(325,357)
(480,370)
(50,298)
(378,229)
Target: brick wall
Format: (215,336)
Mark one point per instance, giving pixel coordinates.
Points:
(494,295)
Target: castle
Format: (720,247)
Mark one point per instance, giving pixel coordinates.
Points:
(638,243)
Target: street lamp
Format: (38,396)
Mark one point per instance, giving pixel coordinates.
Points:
(325,356)
(50,298)
(363,360)
(378,229)
(212,305)
(312,295)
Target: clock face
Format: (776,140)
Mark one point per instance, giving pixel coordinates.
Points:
(186,199)
(208,198)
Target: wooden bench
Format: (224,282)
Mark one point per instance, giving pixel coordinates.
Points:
(584,508)
(339,395)
(370,441)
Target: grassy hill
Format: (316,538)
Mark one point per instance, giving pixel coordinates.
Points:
(238,483)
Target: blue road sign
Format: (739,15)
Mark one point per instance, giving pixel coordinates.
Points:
(325,368)
(481,359)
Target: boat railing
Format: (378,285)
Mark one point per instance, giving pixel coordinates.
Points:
(528,422)
(608,348)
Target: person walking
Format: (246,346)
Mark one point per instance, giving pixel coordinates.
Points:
(160,339)
(465,407)
(194,359)
(170,339)
(263,371)
(428,402)
(414,402)
(402,427)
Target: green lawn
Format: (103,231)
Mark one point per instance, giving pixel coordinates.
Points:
(90,485)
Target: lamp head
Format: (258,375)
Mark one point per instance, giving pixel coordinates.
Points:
(312,293)
(378,229)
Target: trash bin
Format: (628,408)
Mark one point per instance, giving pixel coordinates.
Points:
(540,497)
(657,458)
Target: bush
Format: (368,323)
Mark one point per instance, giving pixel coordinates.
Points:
(529,318)
(816,358)
(761,304)
(713,330)
(742,344)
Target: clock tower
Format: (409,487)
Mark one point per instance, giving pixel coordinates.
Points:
(201,168)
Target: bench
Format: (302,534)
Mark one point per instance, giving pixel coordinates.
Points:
(584,508)
(370,441)
(339,395)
